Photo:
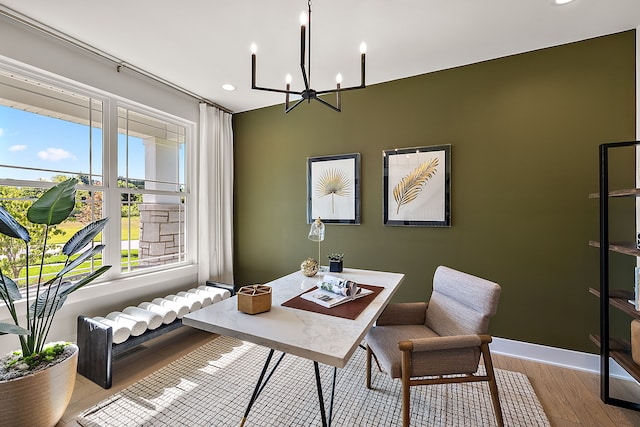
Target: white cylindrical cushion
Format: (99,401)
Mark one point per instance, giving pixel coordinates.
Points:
(167,313)
(192,304)
(221,293)
(206,299)
(215,296)
(119,332)
(193,298)
(180,308)
(137,326)
(153,320)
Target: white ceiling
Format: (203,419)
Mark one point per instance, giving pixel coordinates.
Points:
(201,44)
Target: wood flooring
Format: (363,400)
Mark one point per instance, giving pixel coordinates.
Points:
(569,397)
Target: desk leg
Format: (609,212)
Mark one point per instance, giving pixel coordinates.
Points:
(260,384)
(333,392)
(321,398)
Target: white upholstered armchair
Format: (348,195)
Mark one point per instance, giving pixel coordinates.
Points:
(445,337)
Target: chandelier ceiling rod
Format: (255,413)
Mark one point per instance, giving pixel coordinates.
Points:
(308,93)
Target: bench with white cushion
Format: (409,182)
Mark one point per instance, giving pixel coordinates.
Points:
(102,338)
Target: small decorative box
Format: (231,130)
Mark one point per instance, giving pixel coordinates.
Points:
(254,299)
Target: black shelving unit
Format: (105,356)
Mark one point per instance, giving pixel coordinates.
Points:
(611,347)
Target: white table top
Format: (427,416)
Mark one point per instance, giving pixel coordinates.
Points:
(326,339)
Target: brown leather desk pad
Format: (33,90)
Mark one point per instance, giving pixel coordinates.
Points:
(347,310)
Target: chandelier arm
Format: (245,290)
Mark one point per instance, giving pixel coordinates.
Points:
(303,45)
(266,89)
(287,108)
(342,89)
(322,101)
(304,77)
(308,76)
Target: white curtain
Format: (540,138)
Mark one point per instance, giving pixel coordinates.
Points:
(215,195)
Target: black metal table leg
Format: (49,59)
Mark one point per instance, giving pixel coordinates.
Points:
(320,398)
(333,392)
(260,384)
(325,422)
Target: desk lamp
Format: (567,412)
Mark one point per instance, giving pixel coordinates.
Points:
(316,234)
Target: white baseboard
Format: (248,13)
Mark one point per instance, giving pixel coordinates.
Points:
(555,356)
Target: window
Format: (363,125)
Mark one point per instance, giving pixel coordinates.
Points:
(152,192)
(50,131)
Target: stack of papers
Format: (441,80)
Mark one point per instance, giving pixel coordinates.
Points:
(334,291)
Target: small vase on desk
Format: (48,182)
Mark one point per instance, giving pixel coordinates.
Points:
(335,266)
(335,262)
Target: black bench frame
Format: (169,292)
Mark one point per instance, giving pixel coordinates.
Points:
(97,350)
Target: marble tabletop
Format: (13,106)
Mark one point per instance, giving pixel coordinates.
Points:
(326,339)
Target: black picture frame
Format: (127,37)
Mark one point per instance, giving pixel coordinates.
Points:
(417,186)
(333,189)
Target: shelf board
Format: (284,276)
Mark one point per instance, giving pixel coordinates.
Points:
(620,300)
(631,192)
(623,248)
(620,351)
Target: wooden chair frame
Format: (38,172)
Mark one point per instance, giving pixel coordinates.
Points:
(407,348)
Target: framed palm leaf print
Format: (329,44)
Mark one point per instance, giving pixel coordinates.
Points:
(417,186)
(333,189)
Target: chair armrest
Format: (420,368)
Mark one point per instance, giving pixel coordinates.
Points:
(443,343)
(403,313)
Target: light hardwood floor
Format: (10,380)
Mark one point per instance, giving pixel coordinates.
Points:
(569,398)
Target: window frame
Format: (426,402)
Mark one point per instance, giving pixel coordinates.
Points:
(111,192)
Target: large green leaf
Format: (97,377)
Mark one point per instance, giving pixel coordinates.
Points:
(83,237)
(86,280)
(8,328)
(8,289)
(55,205)
(48,302)
(76,262)
(9,226)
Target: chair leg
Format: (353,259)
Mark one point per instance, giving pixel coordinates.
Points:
(368,367)
(406,379)
(493,386)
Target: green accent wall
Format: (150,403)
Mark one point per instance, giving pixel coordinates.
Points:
(524,132)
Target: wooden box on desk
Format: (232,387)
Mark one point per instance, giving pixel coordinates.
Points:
(254,299)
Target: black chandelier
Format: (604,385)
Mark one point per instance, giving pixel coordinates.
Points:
(308,93)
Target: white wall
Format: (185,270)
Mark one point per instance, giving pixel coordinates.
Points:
(32,48)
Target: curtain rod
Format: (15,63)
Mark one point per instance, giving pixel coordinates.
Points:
(59,35)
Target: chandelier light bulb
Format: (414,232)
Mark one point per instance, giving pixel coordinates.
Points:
(363,47)
(338,78)
(287,78)
(303,18)
(253,48)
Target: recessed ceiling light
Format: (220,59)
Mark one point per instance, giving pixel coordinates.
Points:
(228,86)
(560,2)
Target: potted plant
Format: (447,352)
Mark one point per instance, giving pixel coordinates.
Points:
(37,381)
(335,262)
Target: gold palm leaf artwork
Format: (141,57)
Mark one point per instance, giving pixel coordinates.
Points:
(333,182)
(411,185)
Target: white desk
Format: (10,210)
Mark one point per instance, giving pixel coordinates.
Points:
(318,337)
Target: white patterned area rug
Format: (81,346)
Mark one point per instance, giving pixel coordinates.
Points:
(212,385)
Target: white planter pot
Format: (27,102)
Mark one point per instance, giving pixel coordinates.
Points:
(39,399)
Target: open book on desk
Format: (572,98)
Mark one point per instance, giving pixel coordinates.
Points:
(332,291)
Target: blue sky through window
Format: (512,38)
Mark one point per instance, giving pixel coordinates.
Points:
(36,141)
